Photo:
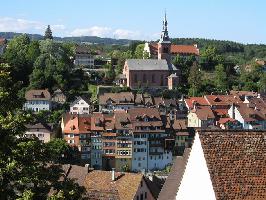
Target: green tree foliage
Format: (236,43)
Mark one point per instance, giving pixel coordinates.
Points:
(121,57)
(27,166)
(220,78)
(51,68)
(48,33)
(209,58)
(194,80)
(140,53)
(109,74)
(21,54)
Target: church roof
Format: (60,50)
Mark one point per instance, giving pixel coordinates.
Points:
(177,49)
(149,64)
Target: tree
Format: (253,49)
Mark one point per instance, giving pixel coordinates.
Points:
(48,33)
(220,78)
(140,53)
(20,56)
(194,80)
(28,168)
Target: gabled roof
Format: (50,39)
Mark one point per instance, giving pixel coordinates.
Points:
(149,64)
(117,98)
(176,49)
(201,101)
(236,162)
(79,98)
(99,185)
(42,127)
(224,100)
(76,123)
(38,95)
(203,112)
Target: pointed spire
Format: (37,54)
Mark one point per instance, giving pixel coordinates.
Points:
(164,34)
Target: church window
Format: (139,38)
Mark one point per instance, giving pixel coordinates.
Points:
(144,78)
(153,78)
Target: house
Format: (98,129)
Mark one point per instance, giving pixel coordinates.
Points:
(154,49)
(220,165)
(58,97)
(148,73)
(229,123)
(249,115)
(116,186)
(108,102)
(37,100)
(81,105)
(150,147)
(83,57)
(76,130)
(192,101)
(40,130)
(201,116)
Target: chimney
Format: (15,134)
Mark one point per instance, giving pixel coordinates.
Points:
(87,166)
(258,95)
(113,174)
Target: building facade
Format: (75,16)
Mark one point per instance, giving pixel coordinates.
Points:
(37,100)
(80,106)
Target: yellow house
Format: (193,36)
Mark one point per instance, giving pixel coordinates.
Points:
(201,116)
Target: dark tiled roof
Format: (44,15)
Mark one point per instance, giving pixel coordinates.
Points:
(149,64)
(117,98)
(38,95)
(237,163)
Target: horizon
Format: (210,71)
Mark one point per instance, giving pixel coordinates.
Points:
(227,21)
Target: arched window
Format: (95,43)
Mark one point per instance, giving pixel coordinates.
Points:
(165,50)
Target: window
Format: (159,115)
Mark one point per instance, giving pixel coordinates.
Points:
(145,196)
(71,135)
(75,108)
(141,183)
(139,164)
(141,196)
(86,108)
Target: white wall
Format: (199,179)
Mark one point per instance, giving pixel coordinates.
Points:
(42,136)
(37,105)
(137,157)
(80,107)
(196,182)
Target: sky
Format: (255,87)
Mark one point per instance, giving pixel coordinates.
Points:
(237,20)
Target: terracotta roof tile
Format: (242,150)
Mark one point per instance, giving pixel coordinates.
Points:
(38,95)
(177,49)
(237,163)
(99,183)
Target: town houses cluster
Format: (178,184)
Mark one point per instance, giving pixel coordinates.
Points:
(120,134)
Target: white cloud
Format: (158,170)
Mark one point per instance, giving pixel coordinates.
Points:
(18,25)
(8,24)
(126,34)
(92,31)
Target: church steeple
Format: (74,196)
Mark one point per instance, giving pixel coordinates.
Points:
(164,34)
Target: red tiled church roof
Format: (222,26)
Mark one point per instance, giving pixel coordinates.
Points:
(177,49)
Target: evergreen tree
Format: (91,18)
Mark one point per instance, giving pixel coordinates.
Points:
(48,33)
(220,78)
(194,80)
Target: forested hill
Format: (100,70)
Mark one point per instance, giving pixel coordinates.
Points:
(235,50)
(83,39)
(239,51)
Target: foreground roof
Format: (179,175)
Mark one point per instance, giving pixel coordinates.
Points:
(236,162)
(99,184)
(149,64)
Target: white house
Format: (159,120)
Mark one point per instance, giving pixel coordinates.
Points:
(37,100)
(80,106)
(220,165)
(40,130)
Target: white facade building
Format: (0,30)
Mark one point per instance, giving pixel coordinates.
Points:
(41,131)
(80,106)
(37,100)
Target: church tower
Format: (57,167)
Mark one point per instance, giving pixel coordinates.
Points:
(164,44)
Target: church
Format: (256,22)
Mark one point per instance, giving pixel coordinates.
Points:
(157,71)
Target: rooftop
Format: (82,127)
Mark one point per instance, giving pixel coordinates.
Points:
(149,64)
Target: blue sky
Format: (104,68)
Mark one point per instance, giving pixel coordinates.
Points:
(237,20)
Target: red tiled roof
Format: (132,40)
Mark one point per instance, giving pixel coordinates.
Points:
(177,49)
(201,101)
(223,100)
(76,123)
(225,120)
(220,112)
(236,163)
(203,112)
(38,95)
